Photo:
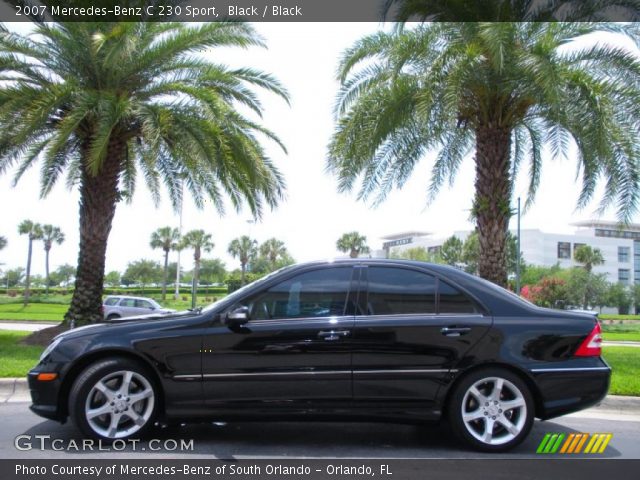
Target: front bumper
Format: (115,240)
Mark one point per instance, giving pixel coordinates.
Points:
(45,396)
(568,390)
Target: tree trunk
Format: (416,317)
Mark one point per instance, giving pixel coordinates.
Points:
(492,203)
(28,277)
(46,270)
(243,267)
(353,253)
(164,275)
(98,198)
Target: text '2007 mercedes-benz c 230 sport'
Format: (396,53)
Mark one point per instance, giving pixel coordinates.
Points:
(343,341)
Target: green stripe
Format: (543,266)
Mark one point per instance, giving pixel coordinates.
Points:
(558,442)
(549,446)
(543,443)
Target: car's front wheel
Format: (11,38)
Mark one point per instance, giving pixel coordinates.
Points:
(114,398)
(491,410)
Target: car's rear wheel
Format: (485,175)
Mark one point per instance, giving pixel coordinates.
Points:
(491,410)
(113,317)
(113,399)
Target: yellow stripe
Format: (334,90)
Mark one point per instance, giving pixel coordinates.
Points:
(584,439)
(567,442)
(608,437)
(593,443)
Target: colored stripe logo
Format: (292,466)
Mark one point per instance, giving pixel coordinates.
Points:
(574,443)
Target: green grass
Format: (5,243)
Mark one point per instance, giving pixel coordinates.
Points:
(625,362)
(33,311)
(16,359)
(629,332)
(608,316)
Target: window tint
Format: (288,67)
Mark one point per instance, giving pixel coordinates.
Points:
(400,291)
(453,301)
(111,301)
(319,293)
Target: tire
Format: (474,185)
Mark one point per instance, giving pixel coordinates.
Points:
(114,398)
(488,426)
(113,317)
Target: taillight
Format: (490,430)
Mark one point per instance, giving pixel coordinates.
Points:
(592,345)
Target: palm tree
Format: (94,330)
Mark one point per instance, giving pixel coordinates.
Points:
(167,239)
(108,102)
(589,257)
(50,235)
(33,232)
(199,241)
(502,91)
(354,243)
(244,249)
(273,250)
(3,242)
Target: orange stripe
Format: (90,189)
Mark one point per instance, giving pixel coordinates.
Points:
(577,438)
(567,442)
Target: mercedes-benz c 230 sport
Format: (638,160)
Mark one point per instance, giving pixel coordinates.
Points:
(342,341)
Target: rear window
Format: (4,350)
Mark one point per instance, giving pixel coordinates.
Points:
(111,301)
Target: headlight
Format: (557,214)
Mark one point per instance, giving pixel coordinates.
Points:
(50,348)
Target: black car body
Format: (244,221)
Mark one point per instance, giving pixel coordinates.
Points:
(353,340)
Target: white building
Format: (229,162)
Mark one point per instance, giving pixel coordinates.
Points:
(620,247)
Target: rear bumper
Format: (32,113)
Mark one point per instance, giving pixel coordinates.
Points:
(568,390)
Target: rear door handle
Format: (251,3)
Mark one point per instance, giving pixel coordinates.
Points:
(332,335)
(454,331)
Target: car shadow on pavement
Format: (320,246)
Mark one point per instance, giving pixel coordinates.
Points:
(230,441)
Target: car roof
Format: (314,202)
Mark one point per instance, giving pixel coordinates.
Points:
(130,297)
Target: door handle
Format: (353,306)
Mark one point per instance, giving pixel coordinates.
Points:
(332,335)
(454,331)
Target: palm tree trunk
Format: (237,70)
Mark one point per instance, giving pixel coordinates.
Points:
(491,206)
(196,278)
(28,278)
(46,270)
(164,275)
(353,253)
(98,198)
(243,267)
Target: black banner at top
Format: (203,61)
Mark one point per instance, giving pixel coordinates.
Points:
(320,10)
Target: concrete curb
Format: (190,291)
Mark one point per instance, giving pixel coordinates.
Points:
(14,390)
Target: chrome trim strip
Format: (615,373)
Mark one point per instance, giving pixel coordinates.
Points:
(569,369)
(325,372)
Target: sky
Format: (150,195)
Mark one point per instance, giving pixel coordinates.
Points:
(304,57)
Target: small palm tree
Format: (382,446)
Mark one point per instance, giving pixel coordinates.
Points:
(273,250)
(50,235)
(589,257)
(33,232)
(200,242)
(354,243)
(105,103)
(244,249)
(167,239)
(495,92)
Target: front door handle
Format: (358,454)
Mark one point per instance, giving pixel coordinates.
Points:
(332,335)
(454,331)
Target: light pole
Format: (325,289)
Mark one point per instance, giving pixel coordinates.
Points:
(177,290)
(518,253)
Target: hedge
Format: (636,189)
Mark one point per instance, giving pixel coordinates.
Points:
(202,290)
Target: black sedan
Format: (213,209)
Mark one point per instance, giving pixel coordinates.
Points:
(346,340)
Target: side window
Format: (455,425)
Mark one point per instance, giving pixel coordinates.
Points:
(453,300)
(128,302)
(111,301)
(142,304)
(319,293)
(400,291)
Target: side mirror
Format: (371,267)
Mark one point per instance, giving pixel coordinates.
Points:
(237,317)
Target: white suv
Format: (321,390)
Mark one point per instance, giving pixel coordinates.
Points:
(119,306)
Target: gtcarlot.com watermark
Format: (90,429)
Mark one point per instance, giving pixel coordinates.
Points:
(46,442)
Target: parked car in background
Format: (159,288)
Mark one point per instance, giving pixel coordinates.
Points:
(122,306)
(347,340)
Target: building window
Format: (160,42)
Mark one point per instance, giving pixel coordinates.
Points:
(576,246)
(623,254)
(564,250)
(623,275)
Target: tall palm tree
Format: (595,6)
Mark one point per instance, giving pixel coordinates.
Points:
(50,235)
(273,250)
(501,91)
(354,243)
(33,231)
(244,249)
(110,102)
(167,239)
(589,257)
(200,242)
